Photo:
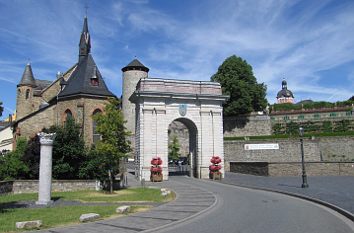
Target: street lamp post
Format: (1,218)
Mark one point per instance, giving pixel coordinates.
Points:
(304,176)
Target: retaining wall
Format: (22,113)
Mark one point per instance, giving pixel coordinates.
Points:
(293,168)
(31,186)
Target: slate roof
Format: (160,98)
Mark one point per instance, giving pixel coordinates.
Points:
(27,77)
(285,93)
(79,83)
(135,65)
(40,86)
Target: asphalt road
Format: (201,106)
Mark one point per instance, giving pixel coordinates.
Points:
(243,210)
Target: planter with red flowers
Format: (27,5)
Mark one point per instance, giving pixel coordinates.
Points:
(214,168)
(156,170)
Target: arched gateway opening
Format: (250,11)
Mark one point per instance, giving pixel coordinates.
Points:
(195,104)
(182,134)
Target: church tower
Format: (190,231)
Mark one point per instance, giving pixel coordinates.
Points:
(132,73)
(24,99)
(285,95)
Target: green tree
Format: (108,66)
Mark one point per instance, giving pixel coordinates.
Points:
(1,108)
(174,148)
(237,80)
(68,150)
(112,148)
(31,158)
(11,165)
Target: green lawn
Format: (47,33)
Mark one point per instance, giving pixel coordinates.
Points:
(124,195)
(54,216)
(50,216)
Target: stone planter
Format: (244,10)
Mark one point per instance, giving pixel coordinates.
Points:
(215,175)
(158,177)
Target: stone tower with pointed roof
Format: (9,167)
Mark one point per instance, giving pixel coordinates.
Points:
(80,92)
(25,89)
(132,73)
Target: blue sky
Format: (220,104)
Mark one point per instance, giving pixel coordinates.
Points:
(310,43)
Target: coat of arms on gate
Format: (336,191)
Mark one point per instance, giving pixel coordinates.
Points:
(183,109)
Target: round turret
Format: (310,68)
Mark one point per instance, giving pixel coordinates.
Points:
(132,73)
(24,105)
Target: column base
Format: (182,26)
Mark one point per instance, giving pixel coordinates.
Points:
(44,203)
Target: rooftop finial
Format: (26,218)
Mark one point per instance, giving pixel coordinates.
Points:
(86,9)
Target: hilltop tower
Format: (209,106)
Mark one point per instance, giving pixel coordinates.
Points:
(25,89)
(132,73)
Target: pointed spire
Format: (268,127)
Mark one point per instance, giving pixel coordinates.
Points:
(85,41)
(27,77)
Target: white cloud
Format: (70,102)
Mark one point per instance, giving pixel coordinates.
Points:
(291,39)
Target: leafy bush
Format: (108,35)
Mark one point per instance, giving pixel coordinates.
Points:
(11,165)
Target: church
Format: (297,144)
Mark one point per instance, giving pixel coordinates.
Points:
(79,93)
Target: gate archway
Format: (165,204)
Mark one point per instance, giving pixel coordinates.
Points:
(186,164)
(159,102)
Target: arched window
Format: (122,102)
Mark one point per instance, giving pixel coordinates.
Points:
(27,93)
(95,135)
(68,115)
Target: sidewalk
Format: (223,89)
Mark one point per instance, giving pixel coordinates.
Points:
(336,190)
(190,201)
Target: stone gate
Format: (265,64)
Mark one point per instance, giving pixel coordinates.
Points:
(197,104)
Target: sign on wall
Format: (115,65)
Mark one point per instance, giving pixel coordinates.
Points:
(269,146)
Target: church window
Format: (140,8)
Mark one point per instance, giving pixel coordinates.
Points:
(94,78)
(27,93)
(68,115)
(349,113)
(95,135)
(94,81)
(286,118)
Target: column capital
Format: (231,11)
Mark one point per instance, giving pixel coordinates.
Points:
(46,138)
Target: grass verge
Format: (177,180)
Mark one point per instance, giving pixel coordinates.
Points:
(124,195)
(63,215)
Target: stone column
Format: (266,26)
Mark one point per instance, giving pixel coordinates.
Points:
(45,169)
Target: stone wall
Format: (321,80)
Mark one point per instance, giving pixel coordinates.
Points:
(312,169)
(82,110)
(181,131)
(337,148)
(293,168)
(35,123)
(317,149)
(31,186)
(252,125)
(289,151)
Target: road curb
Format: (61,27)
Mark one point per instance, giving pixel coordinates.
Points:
(339,210)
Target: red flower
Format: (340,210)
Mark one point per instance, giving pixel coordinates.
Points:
(156,169)
(156,161)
